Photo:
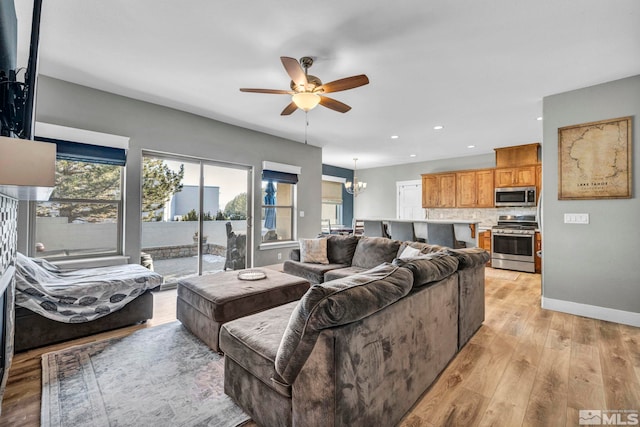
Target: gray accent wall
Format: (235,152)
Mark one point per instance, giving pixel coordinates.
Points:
(379,201)
(347,199)
(156,128)
(591,269)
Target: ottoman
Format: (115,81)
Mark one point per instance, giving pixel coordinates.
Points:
(206,302)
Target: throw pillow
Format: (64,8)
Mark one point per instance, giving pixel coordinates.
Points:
(373,251)
(340,249)
(409,252)
(314,251)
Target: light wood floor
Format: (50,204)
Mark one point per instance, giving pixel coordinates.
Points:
(525,366)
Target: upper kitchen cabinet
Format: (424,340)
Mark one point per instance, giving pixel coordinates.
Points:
(516,166)
(523,176)
(439,190)
(519,155)
(474,189)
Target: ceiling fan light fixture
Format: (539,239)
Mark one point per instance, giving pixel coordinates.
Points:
(306,100)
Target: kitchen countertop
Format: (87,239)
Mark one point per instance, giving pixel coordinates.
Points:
(441,221)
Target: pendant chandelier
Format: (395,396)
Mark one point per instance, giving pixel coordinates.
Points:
(356,187)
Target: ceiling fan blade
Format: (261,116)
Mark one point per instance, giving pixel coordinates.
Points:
(334,105)
(344,84)
(294,70)
(289,109)
(276,91)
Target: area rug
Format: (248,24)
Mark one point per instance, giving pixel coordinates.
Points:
(160,376)
(501,274)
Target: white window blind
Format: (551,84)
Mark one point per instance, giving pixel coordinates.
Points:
(331,192)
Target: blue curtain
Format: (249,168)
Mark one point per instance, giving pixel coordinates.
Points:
(270,213)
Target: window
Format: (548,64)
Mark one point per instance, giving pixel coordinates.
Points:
(332,201)
(278,202)
(83,216)
(277,211)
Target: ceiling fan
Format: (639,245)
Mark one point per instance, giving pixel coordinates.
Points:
(308,91)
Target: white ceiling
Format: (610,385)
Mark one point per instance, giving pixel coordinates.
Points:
(478,68)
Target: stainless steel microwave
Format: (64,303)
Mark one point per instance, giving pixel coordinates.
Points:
(516,196)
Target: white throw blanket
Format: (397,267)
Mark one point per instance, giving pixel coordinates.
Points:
(77,296)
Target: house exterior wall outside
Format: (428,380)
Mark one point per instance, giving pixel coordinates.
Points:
(156,128)
(594,264)
(187,199)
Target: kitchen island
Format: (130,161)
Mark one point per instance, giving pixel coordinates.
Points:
(466,230)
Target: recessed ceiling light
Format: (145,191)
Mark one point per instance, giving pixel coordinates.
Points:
(394,136)
(539,118)
(412,155)
(471,146)
(438,127)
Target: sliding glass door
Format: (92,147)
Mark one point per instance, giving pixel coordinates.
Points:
(194,215)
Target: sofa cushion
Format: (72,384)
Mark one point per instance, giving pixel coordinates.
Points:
(314,251)
(340,249)
(314,273)
(373,251)
(340,273)
(429,268)
(253,341)
(470,257)
(336,303)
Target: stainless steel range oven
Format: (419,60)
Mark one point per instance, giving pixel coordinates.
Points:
(512,246)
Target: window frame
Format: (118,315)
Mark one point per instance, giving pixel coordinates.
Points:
(292,207)
(120,204)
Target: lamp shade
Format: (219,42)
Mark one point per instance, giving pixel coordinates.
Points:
(306,100)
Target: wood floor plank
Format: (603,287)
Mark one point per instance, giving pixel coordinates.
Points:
(450,381)
(548,400)
(509,402)
(465,408)
(615,357)
(487,372)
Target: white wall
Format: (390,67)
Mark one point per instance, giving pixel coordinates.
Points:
(156,128)
(592,269)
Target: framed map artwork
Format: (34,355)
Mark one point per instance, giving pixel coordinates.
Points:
(594,160)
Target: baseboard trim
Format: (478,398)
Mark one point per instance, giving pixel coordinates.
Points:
(593,311)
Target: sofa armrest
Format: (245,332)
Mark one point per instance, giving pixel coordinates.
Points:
(294,255)
(470,257)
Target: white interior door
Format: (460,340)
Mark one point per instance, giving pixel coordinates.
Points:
(409,200)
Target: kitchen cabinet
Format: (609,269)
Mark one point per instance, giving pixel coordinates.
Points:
(484,240)
(474,189)
(518,155)
(523,176)
(538,179)
(537,246)
(439,190)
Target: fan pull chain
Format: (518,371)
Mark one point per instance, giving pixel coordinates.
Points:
(306,120)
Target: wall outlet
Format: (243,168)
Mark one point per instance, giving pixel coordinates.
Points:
(279,256)
(576,218)
(301,214)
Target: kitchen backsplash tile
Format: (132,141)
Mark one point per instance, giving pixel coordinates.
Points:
(486,216)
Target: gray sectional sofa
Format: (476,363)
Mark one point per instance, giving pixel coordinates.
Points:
(360,349)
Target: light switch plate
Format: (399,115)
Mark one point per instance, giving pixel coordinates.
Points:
(301,214)
(576,218)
